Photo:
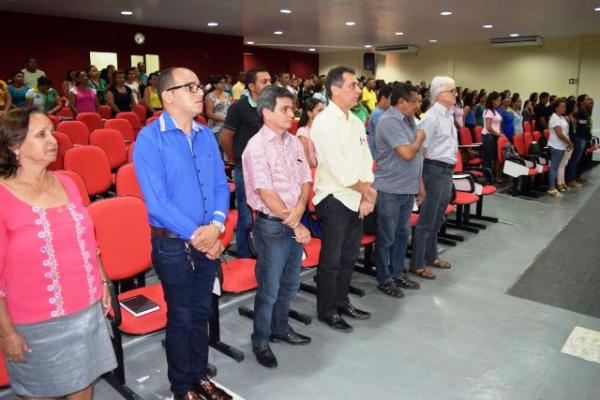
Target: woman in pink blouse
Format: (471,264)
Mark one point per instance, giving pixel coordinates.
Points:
(492,130)
(312,108)
(52,286)
(82,98)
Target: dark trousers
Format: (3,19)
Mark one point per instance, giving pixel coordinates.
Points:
(279,256)
(188,294)
(432,214)
(393,232)
(244,214)
(340,247)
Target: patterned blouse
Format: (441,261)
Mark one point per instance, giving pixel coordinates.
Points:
(220,107)
(48,266)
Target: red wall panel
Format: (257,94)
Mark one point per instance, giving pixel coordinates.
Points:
(276,61)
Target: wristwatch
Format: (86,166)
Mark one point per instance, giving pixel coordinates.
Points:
(219,225)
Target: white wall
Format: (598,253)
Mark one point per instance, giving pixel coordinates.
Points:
(478,65)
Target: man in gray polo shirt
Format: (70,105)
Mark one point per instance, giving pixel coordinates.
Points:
(397,180)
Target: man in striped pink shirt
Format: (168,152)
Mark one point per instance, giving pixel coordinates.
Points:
(277,180)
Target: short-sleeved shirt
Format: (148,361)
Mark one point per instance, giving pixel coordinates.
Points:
(395,174)
(100,89)
(220,107)
(361,112)
(274,161)
(18,95)
(583,126)
(555,142)
(237,90)
(135,90)
(441,140)
(305,132)
(496,121)
(479,109)
(372,128)
(370,97)
(122,99)
(517,121)
(43,101)
(32,77)
(343,156)
(242,118)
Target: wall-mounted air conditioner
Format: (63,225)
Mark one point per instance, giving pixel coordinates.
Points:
(517,41)
(410,49)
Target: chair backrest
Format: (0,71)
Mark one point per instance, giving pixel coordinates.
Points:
(458,167)
(152,119)
(533,127)
(201,119)
(140,110)
(65,112)
(547,134)
(133,120)
(537,135)
(230,225)
(157,113)
(294,128)
(501,142)
(91,119)
(123,126)
(519,144)
(77,131)
(55,120)
(64,143)
(92,164)
(85,197)
(527,139)
(111,141)
(123,235)
(527,126)
(465,136)
(105,111)
(478,134)
(130,152)
(127,183)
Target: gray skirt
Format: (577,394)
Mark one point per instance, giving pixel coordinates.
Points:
(67,355)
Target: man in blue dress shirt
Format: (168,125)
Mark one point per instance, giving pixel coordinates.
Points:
(182,178)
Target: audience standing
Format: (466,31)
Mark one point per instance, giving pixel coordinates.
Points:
(312,108)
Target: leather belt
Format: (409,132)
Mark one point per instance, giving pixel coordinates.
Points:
(261,214)
(439,163)
(162,232)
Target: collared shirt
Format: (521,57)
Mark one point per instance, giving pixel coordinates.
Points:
(441,140)
(182,177)
(272,163)
(43,101)
(343,156)
(395,174)
(243,119)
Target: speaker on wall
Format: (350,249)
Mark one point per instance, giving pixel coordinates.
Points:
(369,61)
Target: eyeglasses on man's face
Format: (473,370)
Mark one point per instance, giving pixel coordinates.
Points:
(191,86)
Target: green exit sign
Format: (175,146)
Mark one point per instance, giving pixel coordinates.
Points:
(573,81)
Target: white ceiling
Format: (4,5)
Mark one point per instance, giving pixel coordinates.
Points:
(321,24)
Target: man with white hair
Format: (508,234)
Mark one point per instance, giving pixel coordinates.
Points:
(440,148)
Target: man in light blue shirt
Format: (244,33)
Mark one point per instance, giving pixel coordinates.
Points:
(383,103)
(182,177)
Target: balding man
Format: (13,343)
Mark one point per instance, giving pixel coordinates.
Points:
(440,148)
(182,177)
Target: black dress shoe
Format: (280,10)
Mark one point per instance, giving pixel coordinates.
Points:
(291,337)
(406,283)
(337,322)
(206,389)
(354,312)
(265,357)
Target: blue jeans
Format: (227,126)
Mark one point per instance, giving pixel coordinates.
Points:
(188,293)
(244,214)
(393,231)
(573,170)
(278,278)
(555,156)
(432,214)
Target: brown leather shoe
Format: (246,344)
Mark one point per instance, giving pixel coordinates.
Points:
(190,395)
(206,389)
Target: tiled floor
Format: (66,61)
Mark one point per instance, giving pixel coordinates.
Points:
(459,337)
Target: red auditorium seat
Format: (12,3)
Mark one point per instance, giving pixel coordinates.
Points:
(85,197)
(91,163)
(64,144)
(201,119)
(127,183)
(105,111)
(91,119)
(133,120)
(111,141)
(140,110)
(77,131)
(123,126)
